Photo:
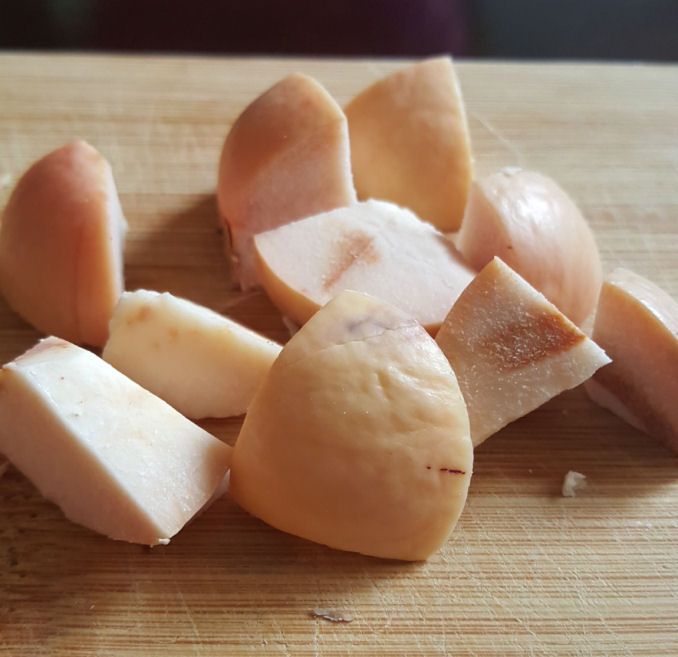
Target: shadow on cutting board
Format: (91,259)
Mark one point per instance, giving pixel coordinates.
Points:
(182,252)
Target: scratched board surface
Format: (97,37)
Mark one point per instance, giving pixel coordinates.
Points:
(527,572)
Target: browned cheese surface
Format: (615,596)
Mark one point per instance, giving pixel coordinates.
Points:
(527,572)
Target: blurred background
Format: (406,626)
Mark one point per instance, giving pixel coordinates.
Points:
(575,29)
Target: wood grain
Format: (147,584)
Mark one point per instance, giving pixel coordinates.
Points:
(527,572)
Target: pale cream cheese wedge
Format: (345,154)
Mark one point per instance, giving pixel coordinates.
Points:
(111,455)
(359,436)
(511,349)
(373,247)
(203,364)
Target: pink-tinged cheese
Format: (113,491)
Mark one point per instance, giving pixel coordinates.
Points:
(61,243)
(637,324)
(511,349)
(286,157)
(358,437)
(113,456)
(529,222)
(410,142)
(373,247)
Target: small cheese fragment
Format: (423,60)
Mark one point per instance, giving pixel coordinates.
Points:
(203,364)
(111,455)
(528,221)
(61,243)
(286,157)
(573,482)
(373,247)
(358,438)
(410,142)
(637,324)
(511,349)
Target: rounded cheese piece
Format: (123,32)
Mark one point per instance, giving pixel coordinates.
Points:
(359,436)
(637,324)
(286,157)
(529,222)
(410,142)
(203,364)
(373,247)
(61,242)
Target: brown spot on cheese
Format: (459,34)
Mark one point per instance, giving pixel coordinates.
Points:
(353,247)
(173,332)
(140,315)
(655,422)
(530,340)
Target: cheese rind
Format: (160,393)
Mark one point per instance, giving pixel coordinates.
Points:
(286,157)
(358,437)
(529,221)
(410,142)
(61,244)
(637,324)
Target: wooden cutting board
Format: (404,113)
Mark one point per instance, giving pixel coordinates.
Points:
(527,572)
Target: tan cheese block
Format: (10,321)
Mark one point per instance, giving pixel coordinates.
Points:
(637,324)
(410,142)
(203,364)
(358,437)
(511,349)
(61,243)
(529,222)
(113,456)
(373,247)
(286,157)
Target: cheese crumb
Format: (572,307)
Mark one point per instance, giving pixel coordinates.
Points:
(573,481)
(331,615)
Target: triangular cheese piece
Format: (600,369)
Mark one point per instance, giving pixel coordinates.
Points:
(511,349)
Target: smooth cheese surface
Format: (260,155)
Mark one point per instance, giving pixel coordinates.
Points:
(61,245)
(361,442)
(410,142)
(373,247)
(637,324)
(203,364)
(113,456)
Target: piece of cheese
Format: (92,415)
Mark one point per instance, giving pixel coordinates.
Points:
(530,222)
(373,247)
(203,364)
(410,142)
(61,243)
(111,455)
(511,349)
(637,324)
(358,437)
(286,157)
